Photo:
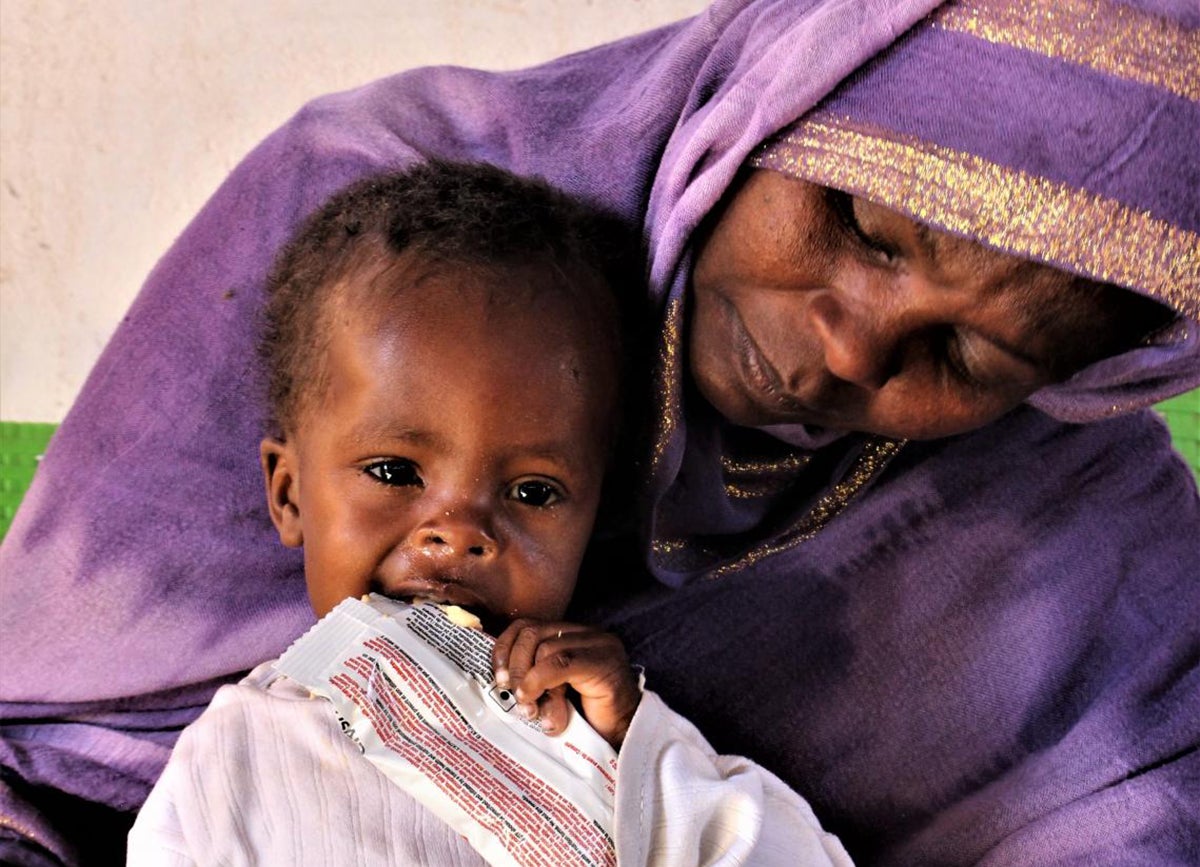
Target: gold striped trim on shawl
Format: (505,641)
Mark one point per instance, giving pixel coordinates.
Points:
(1014,211)
(666,547)
(876,453)
(754,479)
(756,491)
(790,463)
(670,381)
(1105,36)
(24,831)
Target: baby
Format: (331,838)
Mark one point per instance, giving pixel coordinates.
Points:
(445,351)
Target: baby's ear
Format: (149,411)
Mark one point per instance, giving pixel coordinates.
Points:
(282,477)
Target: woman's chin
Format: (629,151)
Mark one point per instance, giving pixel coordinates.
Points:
(732,404)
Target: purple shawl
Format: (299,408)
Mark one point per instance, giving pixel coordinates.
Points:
(979,650)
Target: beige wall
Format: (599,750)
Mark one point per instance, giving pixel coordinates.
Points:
(120,117)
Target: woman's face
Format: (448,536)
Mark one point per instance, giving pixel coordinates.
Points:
(812,306)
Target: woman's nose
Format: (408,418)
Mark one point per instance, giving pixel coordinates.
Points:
(458,533)
(861,345)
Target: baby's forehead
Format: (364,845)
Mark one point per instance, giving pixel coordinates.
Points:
(416,277)
(421,298)
(425,285)
(457,334)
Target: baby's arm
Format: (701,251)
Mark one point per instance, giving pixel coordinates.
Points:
(678,803)
(681,804)
(539,660)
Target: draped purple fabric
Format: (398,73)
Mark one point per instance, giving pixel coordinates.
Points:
(978,650)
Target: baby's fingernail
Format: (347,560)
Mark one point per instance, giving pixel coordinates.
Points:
(527,711)
(502,677)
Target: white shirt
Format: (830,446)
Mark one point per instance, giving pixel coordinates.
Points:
(265,776)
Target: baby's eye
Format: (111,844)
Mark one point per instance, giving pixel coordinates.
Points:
(535,492)
(399,472)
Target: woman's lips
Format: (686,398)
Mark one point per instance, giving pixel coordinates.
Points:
(761,382)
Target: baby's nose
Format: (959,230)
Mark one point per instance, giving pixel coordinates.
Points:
(457,535)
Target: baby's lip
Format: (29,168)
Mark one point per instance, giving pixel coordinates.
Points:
(442,591)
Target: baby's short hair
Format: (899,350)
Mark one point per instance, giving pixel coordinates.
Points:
(460,214)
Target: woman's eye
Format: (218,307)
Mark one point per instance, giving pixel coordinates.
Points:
(954,358)
(535,493)
(397,472)
(843,206)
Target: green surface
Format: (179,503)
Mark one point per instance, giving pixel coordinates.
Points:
(22,445)
(1183,417)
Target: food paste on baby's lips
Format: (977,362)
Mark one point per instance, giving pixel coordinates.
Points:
(456,614)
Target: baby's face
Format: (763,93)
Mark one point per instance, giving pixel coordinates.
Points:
(457,451)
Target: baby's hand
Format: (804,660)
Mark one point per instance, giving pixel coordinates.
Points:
(538,660)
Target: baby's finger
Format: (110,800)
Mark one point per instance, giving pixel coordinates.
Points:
(585,660)
(515,650)
(521,644)
(554,711)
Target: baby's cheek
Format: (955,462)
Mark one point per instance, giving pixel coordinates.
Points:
(549,584)
(331,579)
(543,553)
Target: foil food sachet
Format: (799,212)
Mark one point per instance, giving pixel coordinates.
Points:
(416,692)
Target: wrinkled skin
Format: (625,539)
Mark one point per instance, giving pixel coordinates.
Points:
(815,307)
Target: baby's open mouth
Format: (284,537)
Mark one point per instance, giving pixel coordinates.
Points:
(456,614)
(462,605)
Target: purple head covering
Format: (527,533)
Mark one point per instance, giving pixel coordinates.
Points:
(1063,133)
(957,667)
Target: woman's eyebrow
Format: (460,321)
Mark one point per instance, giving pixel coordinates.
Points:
(1010,348)
(928,240)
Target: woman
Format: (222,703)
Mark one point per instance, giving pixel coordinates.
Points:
(970,648)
